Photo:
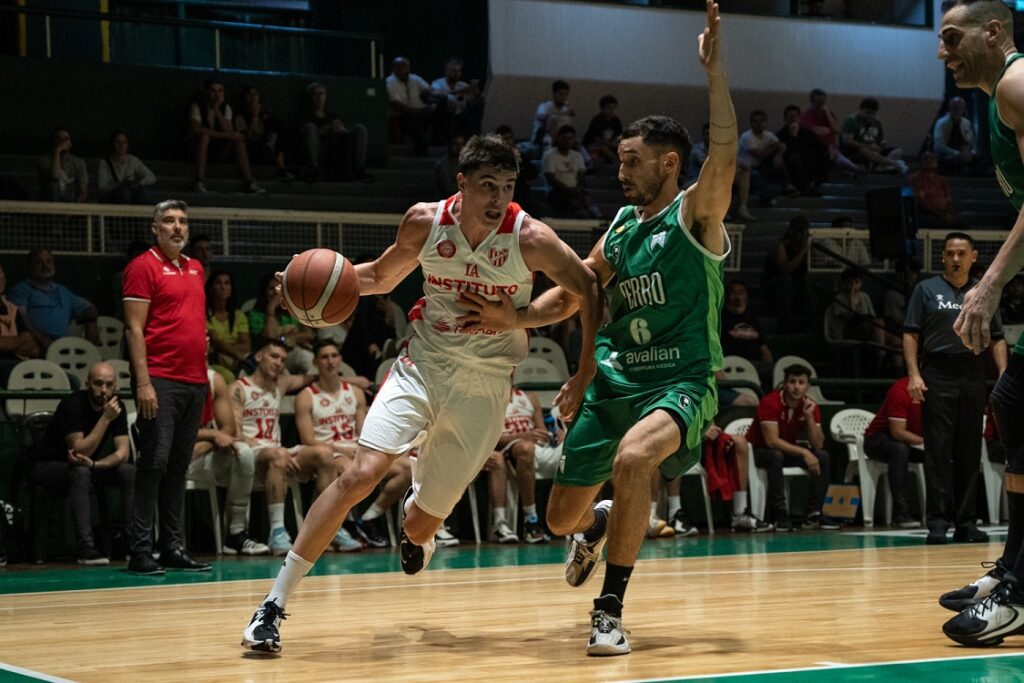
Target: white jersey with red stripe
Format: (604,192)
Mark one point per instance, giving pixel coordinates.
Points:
(450,266)
(261,410)
(208,418)
(334,415)
(519,414)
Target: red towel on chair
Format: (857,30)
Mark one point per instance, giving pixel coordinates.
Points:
(720,463)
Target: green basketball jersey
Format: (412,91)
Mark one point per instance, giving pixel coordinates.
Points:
(1006,155)
(665,300)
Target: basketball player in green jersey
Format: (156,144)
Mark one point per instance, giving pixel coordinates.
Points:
(654,393)
(976,43)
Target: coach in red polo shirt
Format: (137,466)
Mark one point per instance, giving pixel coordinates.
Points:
(889,438)
(165,329)
(781,416)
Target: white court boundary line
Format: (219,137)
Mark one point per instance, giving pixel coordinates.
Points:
(832,666)
(32,674)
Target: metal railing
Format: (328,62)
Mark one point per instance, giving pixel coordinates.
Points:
(855,246)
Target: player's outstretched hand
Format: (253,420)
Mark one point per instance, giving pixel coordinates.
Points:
(707,42)
(571,395)
(485,314)
(972,325)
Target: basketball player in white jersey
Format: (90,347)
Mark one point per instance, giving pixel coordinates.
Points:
(256,401)
(215,450)
(447,391)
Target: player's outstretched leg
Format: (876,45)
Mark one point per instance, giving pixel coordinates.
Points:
(999,615)
(586,547)
(977,590)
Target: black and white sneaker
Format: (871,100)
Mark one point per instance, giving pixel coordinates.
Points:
(238,544)
(750,523)
(682,526)
(374,532)
(584,556)
(977,590)
(818,521)
(89,556)
(414,558)
(262,632)
(986,624)
(607,636)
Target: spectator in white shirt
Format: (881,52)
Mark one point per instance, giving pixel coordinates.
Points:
(565,169)
(954,140)
(410,98)
(759,162)
(465,105)
(122,178)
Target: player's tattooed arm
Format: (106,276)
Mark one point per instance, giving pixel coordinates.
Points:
(401,258)
(237,402)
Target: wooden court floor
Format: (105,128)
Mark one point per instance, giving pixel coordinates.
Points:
(834,607)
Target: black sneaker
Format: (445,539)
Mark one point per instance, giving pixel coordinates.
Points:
(91,557)
(969,534)
(936,532)
(534,533)
(262,632)
(143,564)
(819,521)
(373,532)
(986,624)
(414,558)
(785,526)
(179,560)
(977,590)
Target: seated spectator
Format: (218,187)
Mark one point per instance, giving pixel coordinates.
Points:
(1011,306)
(62,176)
(200,247)
(334,151)
(373,324)
(864,140)
(731,398)
(741,329)
(851,316)
(85,447)
(447,167)
(565,172)
(16,342)
(806,158)
(698,155)
(784,277)
(411,103)
(50,307)
(954,140)
(551,116)
(214,137)
(782,415)
(933,195)
(895,437)
(465,104)
(263,134)
(269,319)
(256,402)
(823,122)
(215,452)
(528,171)
(122,177)
(226,326)
(855,250)
(604,131)
(759,163)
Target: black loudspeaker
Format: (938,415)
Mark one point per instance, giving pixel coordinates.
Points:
(892,220)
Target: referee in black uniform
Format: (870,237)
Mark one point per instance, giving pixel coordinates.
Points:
(949,380)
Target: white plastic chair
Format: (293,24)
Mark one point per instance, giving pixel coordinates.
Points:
(37,375)
(757,477)
(739,368)
(75,355)
(537,370)
(995,484)
(201,478)
(848,427)
(401,321)
(814,392)
(111,331)
(698,471)
(247,305)
(549,350)
(123,372)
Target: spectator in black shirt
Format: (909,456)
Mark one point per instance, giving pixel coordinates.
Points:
(86,445)
(805,156)
(741,330)
(604,131)
(333,150)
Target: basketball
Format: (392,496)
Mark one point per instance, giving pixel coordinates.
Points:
(320,287)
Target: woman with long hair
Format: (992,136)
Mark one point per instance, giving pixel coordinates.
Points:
(226,325)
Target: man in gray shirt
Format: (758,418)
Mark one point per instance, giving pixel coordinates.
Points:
(62,176)
(949,381)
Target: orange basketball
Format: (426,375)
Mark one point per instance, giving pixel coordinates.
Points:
(320,287)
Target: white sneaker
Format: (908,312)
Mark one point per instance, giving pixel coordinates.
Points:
(607,636)
(750,523)
(502,533)
(659,528)
(583,556)
(977,590)
(999,615)
(444,538)
(280,542)
(262,632)
(238,544)
(344,543)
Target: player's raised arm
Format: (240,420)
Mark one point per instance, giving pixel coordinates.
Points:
(401,258)
(981,302)
(708,200)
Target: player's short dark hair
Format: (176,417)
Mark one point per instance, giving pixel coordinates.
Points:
(323,343)
(279,342)
(980,11)
(795,370)
(606,100)
(869,103)
(957,235)
(758,112)
(789,108)
(559,85)
(661,131)
(167,205)
(488,150)
(566,128)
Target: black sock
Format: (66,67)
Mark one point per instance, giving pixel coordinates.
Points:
(616,578)
(597,529)
(1013,551)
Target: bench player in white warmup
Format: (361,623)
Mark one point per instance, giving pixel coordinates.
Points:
(446,393)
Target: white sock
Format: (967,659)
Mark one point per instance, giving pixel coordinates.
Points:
(654,510)
(292,570)
(236,516)
(276,512)
(372,512)
(674,503)
(499,515)
(739,502)
(530,511)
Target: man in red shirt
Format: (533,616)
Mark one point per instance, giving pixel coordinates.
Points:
(781,416)
(894,436)
(165,330)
